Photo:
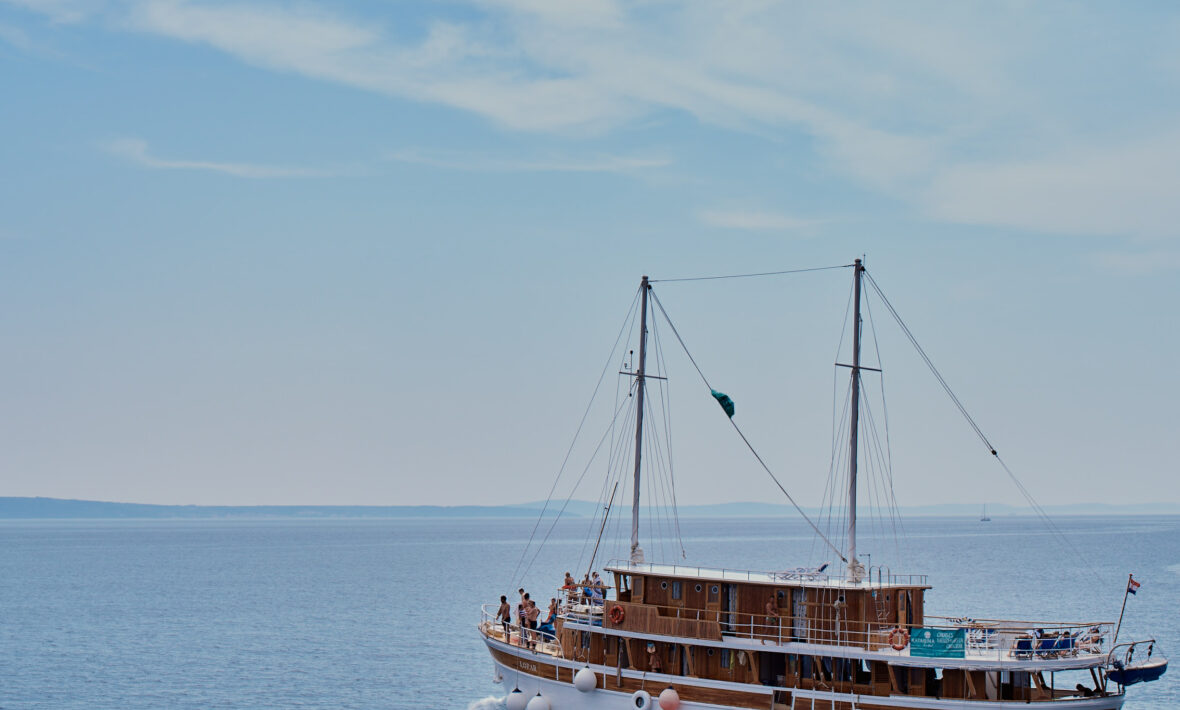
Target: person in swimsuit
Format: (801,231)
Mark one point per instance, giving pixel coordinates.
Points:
(521,623)
(772,617)
(504,616)
(533,614)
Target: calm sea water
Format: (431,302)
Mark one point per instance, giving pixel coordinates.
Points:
(382,613)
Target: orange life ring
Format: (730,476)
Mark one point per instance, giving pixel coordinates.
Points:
(899,638)
(617,615)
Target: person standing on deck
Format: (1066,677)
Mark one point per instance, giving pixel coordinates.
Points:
(521,623)
(504,616)
(772,618)
(533,614)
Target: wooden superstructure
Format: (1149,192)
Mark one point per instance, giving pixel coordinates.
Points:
(709,634)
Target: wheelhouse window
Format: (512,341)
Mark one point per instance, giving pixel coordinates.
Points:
(677,589)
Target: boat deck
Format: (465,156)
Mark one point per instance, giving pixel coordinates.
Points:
(875,577)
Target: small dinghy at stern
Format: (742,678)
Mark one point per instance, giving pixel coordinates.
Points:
(1128,670)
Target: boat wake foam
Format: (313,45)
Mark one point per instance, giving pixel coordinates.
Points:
(489,703)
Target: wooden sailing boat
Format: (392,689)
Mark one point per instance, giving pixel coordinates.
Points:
(675,636)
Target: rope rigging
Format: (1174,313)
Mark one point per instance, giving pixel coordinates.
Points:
(662,519)
(1040,512)
(748,276)
(610,358)
(741,434)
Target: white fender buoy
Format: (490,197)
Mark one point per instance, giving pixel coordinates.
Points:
(669,699)
(538,702)
(585,680)
(641,700)
(517,700)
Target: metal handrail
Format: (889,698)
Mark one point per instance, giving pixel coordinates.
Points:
(488,622)
(1129,653)
(984,638)
(800,574)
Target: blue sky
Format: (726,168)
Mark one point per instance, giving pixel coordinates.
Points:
(307,252)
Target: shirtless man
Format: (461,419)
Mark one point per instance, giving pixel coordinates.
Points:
(533,613)
(504,616)
(772,617)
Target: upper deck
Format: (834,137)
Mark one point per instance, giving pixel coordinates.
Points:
(876,577)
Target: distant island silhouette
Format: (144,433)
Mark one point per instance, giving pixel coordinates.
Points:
(60,508)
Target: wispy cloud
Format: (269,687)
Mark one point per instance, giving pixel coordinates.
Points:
(1137,263)
(487,163)
(758,221)
(136,151)
(1126,188)
(931,104)
(15,37)
(62,11)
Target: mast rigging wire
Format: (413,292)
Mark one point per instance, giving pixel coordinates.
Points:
(742,435)
(577,434)
(564,505)
(1040,511)
(747,276)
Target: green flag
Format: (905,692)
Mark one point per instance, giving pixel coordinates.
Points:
(725,402)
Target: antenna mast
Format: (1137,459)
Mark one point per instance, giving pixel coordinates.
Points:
(856,570)
(636,550)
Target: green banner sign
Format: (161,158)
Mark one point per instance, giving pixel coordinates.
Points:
(938,643)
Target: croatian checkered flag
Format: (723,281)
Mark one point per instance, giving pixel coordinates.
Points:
(1132,585)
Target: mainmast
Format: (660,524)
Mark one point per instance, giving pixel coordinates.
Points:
(636,551)
(855,569)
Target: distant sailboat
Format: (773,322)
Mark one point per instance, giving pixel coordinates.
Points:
(983,517)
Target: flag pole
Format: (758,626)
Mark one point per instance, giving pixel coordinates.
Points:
(1126,591)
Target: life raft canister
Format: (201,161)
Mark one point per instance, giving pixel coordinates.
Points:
(899,638)
(617,614)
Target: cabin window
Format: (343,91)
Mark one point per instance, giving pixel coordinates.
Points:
(638,586)
(710,652)
(676,590)
(698,589)
(725,658)
(585,639)
(664,584)
(714,591)
(625,582)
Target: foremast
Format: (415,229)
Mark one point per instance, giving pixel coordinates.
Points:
(636,550)
(856,570)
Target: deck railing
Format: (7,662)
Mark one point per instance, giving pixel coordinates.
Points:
(516,635)
(984,639)
(878,576)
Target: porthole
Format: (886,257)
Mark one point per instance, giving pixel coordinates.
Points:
(713,589)
(698,588)
(710,652)
(663,585)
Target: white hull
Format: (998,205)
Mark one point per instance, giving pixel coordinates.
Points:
(564,696)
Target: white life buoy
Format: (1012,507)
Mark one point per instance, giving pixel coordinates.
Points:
(641,700)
